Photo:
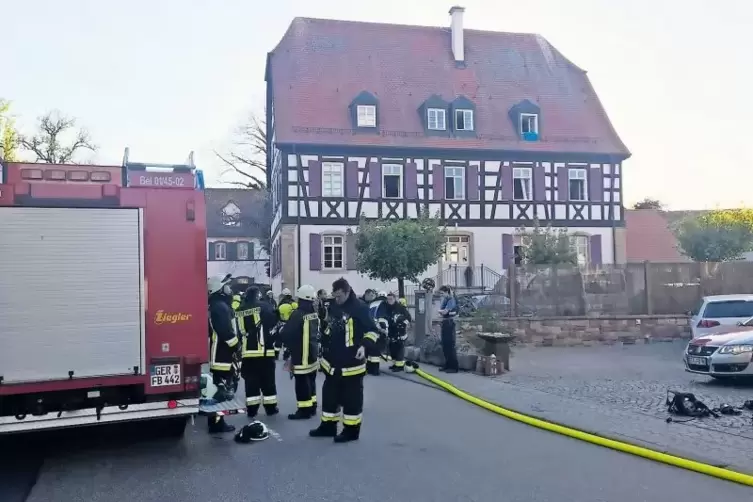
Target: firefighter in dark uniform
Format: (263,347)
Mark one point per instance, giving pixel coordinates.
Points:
(223,344)
(285,308)
(398,318)
(322,309)
(300,337)
(368,296)
(256,323)
(378,312)
(271,299)
(236,303)
(350,334)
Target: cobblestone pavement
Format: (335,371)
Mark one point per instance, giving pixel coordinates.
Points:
(620,392)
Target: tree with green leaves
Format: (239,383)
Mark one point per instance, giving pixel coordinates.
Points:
(398,249)
(247,160)
(547,246)
(716,236)
(8,133)
(57,140)
(649,203)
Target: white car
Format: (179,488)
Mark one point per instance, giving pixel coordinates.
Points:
(717,313)
(723,355)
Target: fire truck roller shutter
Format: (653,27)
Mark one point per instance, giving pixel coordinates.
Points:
(71,293)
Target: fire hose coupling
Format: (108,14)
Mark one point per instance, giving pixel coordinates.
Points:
(411,366)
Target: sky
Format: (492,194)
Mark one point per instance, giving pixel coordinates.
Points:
(165,77)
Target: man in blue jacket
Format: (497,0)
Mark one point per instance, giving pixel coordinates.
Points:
(448,311)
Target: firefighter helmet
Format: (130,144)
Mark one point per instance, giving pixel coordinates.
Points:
(381,294)
(306,292)
(255,431)
(403,302)
(286,292)
(216,283)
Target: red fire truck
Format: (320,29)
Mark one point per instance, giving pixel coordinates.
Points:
(103,314)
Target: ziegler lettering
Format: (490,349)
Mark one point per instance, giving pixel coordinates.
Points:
(162,317)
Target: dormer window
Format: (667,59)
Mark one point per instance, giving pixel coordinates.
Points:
(529,124)
(525,117)
(231,215)
(436,119)
(366,116)
(463,120)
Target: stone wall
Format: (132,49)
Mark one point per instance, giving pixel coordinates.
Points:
(572,331)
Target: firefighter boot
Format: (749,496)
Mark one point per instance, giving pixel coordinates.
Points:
(325,430)
(372,367)
(302,414)
(349,433)
(271,409)
(218,425)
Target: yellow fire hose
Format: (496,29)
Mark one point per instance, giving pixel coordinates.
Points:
(640,451)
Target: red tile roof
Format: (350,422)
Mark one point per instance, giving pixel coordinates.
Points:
(650,238)
(320,65)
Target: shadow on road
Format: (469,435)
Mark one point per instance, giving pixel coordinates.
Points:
(24,454)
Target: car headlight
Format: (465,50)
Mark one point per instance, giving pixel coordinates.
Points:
(736,349)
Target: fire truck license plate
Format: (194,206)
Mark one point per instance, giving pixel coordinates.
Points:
(165,375)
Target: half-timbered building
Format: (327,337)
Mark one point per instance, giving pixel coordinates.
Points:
(489,130)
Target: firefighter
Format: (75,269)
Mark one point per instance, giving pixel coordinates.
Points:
(378,312)
(300,337)
(368,296)
(271,299)
(350,335)
(285,308)
(323,302)
(398,318)
(224,343)
(256,323)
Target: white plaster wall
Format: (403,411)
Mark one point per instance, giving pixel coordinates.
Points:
(486,249)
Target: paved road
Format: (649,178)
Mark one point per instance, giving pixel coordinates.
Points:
(418,444)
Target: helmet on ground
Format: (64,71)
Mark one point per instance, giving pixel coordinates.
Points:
(403,302)
(306,292)
(286,292)
(255,431)
(216,283)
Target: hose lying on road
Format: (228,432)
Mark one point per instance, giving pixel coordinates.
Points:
(665,458)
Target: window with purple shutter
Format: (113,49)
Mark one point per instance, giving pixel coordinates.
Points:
(508,251)
(315,251)
(539,183)
(375,180)
(315,179)
(563,183)
(507,181)
(437,181)
(594,250)
(351,180)
(411,181)
(472,182)
(595,184)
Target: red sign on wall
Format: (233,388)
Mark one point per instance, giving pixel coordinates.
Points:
(160,179)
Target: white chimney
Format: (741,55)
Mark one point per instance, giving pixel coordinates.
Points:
(456,25)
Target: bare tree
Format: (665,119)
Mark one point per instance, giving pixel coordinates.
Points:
(49,142)
(247,158)
(248,155)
